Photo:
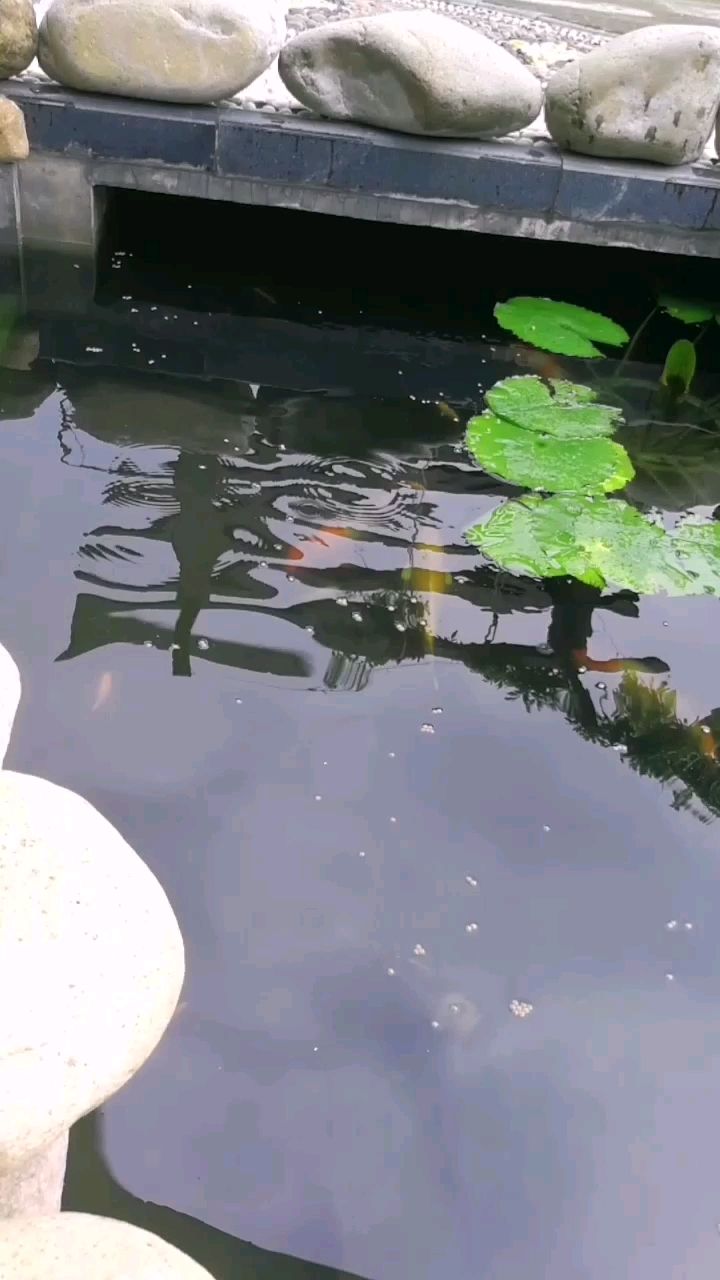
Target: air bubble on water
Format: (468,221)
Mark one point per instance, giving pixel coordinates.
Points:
(454,1008)
(601,685)
(133,310)
(419,950)
(620,748)
(705,728)
(545,828)
(400,626)
(357,616)
(462,579)
(361,853)
(202,466)
(147,644)
(520,1008)
(391,755)
(671,925)
(437,711)
(393,819)
(315,1048)
(290,577)
(94,349)
(391,973)
(688,925)
(582,670)
(666,624)
(203,644)
(174,647)
(471,881)
(310,630)
(427,728)
(238,702)
(391,608)
(318,797)
(472,927)
(434,1024)
(342,601)
(127,297)
(670,977)
(256,487)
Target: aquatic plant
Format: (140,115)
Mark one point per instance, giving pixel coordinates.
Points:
(559,326)
(553,437)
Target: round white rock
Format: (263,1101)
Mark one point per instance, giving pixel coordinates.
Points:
(91,967)
(76,1246)
(417,72)
(652,94)
(168,50)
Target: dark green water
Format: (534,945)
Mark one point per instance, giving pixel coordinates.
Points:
(451,904)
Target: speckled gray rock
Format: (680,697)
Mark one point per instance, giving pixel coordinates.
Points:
(169,50)
(417,72)
(652,94)
(93,965)
(78,1246)
(18,36)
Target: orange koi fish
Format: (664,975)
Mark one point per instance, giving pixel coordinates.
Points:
(540,362)
(103,691)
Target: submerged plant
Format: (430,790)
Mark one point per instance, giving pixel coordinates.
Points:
(679,369)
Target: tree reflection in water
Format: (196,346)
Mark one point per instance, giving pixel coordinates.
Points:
(359,553)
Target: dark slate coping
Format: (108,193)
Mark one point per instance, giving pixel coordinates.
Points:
(515,177)
(91,126)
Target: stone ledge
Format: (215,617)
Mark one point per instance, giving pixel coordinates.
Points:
(513,187)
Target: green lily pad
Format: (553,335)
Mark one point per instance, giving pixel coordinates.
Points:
(568,411)
(600,542)
(697,547)
(559,326)
(538,462)
(686,309)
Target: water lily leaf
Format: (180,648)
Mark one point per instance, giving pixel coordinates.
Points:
(528,536)
(525,458)
(568,411)
(686,309)
(559,326)
(680,366)
(595,540)
(698,551)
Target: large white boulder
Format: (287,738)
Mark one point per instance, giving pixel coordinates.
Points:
(91,967)
(652,94)
(184,51)
(417,72)
(78,1246)
(18,36)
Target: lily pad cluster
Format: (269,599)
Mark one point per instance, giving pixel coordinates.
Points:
(550,438)
(556,438)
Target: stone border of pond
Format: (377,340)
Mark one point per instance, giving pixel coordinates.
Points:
(82,144)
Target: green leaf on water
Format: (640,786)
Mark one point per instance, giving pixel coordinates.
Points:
(568,411)
(680,366)
(559,326)
(598,541)
(687,309)
(538,462)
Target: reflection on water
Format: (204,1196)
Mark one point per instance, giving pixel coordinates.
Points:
(264,550)
(441,841)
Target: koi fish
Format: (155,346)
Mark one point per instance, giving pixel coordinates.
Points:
(649,666)
(325,545)
(540,362)
(103,691)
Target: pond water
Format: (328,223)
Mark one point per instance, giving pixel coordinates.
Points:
(450,897)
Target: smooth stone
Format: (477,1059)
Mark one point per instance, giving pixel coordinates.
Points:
(18,36)
(93,963)
(13,134)
(184,51)
(79,1246)
(417,72)
(652,94)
